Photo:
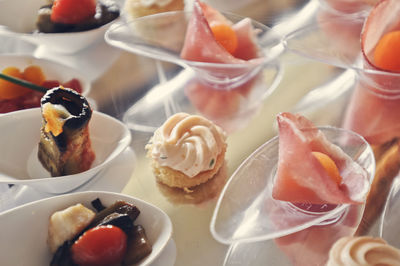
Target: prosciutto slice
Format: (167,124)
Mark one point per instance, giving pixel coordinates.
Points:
(300,176)
(201,46)
(383,18)
(375,103)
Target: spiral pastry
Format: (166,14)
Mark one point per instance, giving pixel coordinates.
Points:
(363,251)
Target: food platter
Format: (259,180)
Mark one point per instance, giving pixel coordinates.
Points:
(124,85)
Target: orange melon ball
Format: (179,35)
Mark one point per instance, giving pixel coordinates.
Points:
(387,52)
(9,90)
(329,165)
(225,36)
(34,74)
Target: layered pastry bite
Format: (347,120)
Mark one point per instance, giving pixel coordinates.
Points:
(141,8)
(187,150)
(363,251)
(65,146)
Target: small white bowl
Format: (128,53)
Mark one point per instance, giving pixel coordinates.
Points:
(20,134)
(18,18)
(24,229)
(51,69)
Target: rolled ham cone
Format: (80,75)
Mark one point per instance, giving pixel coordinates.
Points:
(200,45)
(374,107)
(220,93)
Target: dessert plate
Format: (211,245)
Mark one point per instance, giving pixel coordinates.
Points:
(246,211)
(27,225)
(24,24)
(20,137)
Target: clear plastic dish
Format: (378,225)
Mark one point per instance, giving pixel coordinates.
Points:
(335,40)
(246,211)
(223,92)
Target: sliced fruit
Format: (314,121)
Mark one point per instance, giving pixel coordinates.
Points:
(34,74)
(387,52)
(225,36)
(9,90)
(329,165)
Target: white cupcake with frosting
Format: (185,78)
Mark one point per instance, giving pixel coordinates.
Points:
(363,251)
(187,150)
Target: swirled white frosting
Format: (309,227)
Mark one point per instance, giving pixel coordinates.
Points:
(160,3)
(188,143)
(363,251)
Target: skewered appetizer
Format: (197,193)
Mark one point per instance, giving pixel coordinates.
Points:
(75,15)
(79,236)
(14,97)
(187,150)
(65,146)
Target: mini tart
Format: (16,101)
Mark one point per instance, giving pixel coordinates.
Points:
(174,178)
(136,9)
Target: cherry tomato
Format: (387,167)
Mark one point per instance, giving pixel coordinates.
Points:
(101,245)
(72,11)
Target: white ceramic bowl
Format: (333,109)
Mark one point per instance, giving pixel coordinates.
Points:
(20,134)
(18,18)
(24,229)
(51,69)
